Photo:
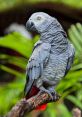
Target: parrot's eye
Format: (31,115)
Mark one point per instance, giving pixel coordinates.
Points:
(38,18)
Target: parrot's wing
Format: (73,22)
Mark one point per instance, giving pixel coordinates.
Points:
(38,58)
(70,58)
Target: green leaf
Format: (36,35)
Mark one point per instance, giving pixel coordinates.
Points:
(63,111)
(15,60)
(11,71)
(75,100)
(18,43)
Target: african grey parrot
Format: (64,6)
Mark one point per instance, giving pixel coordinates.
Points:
(52,55)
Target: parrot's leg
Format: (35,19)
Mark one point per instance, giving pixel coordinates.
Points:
(51,89)
(39,84)
(45,90)
(53,92)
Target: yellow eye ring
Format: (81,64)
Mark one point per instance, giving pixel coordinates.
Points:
(38,18)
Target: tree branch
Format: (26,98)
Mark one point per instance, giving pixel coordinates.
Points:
(76,112)
(25,106)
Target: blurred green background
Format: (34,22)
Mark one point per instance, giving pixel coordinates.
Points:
(16,46)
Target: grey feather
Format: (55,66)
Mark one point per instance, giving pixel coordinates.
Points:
(29,83)
(39,55)
(70,58)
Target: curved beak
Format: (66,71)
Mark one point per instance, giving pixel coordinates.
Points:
(29,25)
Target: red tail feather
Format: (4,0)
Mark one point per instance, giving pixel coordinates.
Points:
(34,92)
(42,107)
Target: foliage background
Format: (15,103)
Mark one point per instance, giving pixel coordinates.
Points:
(6,4)
(70,87)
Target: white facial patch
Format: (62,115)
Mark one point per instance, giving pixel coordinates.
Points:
(37,19)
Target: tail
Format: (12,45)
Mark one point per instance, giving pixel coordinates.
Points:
(34,91)
(31,90)
(42,107)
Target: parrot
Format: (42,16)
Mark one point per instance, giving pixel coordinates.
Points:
(52,56)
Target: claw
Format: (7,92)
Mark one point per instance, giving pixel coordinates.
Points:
(50,95)
(55,96)
(47,91)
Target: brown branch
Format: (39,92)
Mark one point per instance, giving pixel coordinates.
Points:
(76,112)
(24,105)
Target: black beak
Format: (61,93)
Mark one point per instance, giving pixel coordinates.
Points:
(29,25)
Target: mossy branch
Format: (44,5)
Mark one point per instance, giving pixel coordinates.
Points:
(25,106)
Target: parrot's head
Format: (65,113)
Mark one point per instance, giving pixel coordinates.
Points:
(39,22)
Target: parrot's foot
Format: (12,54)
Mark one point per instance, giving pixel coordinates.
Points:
(47,91)
(55,96)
